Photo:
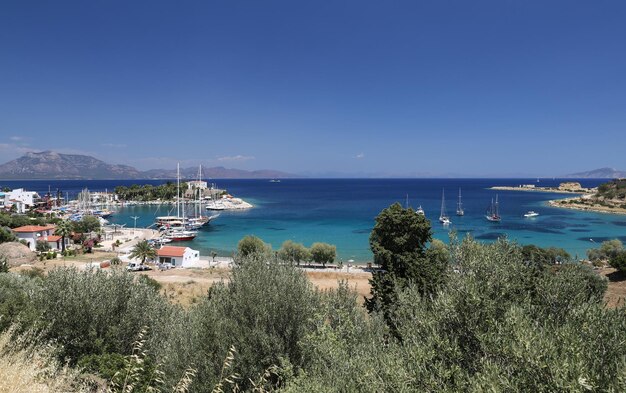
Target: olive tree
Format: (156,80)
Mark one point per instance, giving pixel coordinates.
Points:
(323,253)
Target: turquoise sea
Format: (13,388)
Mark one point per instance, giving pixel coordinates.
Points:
(342,212)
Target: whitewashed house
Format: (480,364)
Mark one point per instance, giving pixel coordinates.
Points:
(178,256)
(23,200)
(33,233)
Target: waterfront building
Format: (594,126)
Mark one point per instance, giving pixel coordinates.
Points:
(178,256)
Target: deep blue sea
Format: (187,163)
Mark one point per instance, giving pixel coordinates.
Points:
(342,212)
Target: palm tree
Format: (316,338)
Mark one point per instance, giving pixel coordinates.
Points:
(143,250)
(64,229)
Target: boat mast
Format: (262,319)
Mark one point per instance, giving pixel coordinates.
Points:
(496,212)
(443,206)
(178,190)
(459,207)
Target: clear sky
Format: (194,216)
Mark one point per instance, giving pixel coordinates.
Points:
(478,88)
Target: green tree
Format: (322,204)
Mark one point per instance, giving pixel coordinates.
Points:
(6,235)
(398,242)
(293,252)
(607,250)
(64,229)
(323,253)
(252,245)
(143,250)
(618,261)
(87,224)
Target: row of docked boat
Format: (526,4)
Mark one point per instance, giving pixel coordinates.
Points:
(182,227)
(492,214)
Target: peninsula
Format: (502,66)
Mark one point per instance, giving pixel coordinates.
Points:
(609,197)
(565,188)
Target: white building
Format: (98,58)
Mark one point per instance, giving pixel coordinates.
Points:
(23,200)
(197,185)
(33,233)
(178,256)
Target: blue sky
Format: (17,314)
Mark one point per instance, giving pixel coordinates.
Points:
(476,88)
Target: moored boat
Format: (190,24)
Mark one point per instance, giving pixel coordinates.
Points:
(493,213)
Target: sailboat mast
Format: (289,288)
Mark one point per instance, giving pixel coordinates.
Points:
(178,190)
(443,206)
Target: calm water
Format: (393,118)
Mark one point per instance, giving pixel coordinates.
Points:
(342,212)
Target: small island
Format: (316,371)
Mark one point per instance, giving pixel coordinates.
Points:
(609,197)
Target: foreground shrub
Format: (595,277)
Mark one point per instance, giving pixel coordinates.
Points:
(498,324)
(263,311)
(96,312)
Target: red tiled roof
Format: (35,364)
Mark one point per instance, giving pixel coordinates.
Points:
(54,238)
(31,229)
(171,251)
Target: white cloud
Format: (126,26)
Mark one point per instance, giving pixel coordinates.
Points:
(17,138)
(359,156)
(238,157)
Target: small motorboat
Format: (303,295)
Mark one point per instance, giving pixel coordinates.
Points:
(531,214)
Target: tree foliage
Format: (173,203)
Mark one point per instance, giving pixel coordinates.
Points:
(64,229)
(144,251)
(87,224)
(618,261)
(399,244)
(252,245)
(291,251)
(323,253)
(606,251)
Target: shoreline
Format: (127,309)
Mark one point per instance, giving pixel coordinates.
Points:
(540,189)
(570,203)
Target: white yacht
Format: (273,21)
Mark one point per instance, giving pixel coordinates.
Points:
(443,217)
(420,210)
(531,214)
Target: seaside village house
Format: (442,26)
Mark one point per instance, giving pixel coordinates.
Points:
(22,200)
(178,256)
(34,233)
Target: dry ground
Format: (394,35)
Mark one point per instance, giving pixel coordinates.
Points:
(616,293)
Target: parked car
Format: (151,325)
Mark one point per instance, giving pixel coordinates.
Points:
(137,267)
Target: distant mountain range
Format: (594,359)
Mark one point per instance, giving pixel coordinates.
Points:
(52,165)
(602,173)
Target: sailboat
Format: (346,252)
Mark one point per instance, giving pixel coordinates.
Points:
(199,220)
(459,206)
(179,232)
(443,217)
(493,213)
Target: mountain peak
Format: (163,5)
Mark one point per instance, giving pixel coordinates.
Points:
(52,165)
(600,173)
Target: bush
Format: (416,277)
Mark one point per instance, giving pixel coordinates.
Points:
(498,324)
(15,304)
(95,312)
(607,250)
(618,261)
(263,312)
(42,246)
